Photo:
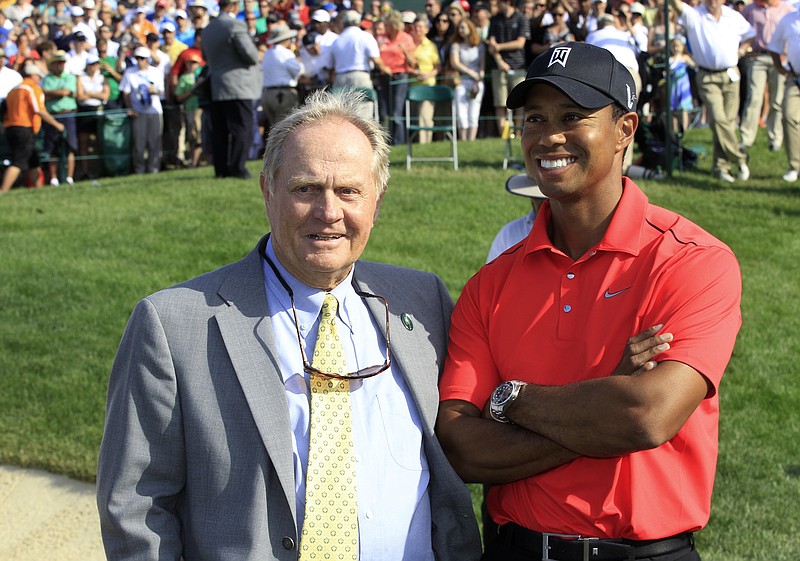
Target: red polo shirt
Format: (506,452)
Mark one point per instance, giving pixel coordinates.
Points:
(392,54)
(536,315)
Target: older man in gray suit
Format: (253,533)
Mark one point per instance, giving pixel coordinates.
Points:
(232,59)
(214,446)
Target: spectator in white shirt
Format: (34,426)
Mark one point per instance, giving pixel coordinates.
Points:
(519,228)
(281,69)
(141,87)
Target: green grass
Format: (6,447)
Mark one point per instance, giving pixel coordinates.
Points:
(74,261)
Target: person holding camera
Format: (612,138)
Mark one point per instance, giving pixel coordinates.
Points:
(141,87)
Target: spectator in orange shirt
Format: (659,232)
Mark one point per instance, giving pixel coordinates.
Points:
(141,26)
(398,54)
(25,112)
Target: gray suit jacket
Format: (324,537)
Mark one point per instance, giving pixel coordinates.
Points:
(232,59)
(196,459)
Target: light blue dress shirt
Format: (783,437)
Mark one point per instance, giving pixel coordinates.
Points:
(391,469)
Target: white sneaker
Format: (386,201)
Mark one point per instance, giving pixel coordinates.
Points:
(70,181)
(54,181)
(744,172)
(725,176)
(790,176)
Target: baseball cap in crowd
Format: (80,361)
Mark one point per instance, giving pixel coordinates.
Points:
(329,7)
(62,19)
(310,38)
(167,26)
(409,17)
(194,57)
(141,10)
(78,36)
(637,8)
(366,24)
(524,186)
(58,56)
(589,75)
(152,38)
(162,4)
(141,52)
(322,16)
(198,4)
(181,14)
(88,5)
(280,33)
(76,11)
(92,59)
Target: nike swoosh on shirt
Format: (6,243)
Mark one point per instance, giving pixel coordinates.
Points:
(612,294)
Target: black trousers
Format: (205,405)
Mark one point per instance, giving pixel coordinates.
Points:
(232,134)
(173,121)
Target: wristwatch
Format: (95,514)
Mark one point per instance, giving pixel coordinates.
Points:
(502,397)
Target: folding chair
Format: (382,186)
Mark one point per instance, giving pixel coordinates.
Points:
(417,94)
(369,93)
(511,133)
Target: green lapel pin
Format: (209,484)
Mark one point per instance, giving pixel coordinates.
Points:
(407,323)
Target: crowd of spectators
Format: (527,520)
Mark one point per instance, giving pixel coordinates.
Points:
(145,59)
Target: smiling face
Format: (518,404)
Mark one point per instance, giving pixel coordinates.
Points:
(570,150)
(324,202)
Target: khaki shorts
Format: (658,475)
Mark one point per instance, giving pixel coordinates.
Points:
(504,82)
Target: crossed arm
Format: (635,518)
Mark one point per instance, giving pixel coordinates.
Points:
(640,406)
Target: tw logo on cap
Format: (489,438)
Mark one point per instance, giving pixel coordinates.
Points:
(559,56)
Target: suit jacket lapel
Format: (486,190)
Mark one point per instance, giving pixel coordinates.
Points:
(247,335)
(408,353)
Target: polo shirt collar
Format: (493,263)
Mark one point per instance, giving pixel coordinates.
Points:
(624,233)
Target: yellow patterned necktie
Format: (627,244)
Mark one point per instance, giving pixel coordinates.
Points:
(330,530)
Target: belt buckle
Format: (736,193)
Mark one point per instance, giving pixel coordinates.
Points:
(587,550)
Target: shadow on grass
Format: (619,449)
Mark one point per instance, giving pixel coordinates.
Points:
(793,471)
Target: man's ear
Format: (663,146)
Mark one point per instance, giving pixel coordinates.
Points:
(626,129)
(262,180)
(377,208)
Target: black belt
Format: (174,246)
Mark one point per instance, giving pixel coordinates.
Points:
(711,70)
(280,88)
(574,548)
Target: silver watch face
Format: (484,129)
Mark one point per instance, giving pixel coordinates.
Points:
(502,393)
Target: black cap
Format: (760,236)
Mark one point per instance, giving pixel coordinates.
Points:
(589,75)
(310,38)
(152,37)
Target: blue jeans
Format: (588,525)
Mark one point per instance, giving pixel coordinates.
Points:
(392,103)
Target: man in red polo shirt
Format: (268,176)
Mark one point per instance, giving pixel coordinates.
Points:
(532,401)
